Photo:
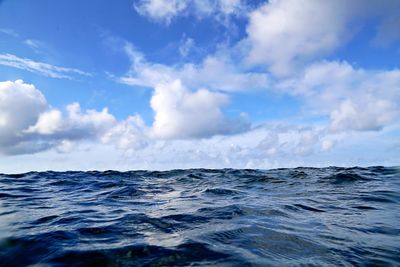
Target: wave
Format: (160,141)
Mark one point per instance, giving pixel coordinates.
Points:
(284,217)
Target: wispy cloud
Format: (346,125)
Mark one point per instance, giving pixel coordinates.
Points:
(41,68)
(35,45)
(9,31)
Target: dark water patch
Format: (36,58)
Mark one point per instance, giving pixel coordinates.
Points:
(363,207)
(67,220)
(309,208)
(345,177)
(96,231)
(377,198)
(226,212)
(284,217)
(141,255)
(187,218)
(44,219)
(7,195)
(272,247)
(221,192)
(126,192)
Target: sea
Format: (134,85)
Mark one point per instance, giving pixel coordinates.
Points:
(202,217)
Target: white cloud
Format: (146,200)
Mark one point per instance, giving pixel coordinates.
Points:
(91,125)
(282,140)
(286,34)
(20,106)
(89,122)
(354,98)
(214,72)
(180,113)
(166,10)
(231,6)
(128,135)
(371,115)
(28,124)
(48,123)
(269,145)
(236,151)
(182,110)
(39,67)
(77,125)
(160,10)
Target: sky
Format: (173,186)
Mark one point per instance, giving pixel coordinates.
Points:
(166,84)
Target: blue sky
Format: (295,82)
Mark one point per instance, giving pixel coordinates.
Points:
(157,84)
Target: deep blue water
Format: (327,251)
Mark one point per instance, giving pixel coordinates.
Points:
(284,217)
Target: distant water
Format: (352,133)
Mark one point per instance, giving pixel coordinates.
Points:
(284,217)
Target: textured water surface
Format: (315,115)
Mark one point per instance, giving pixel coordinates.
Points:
(283,217)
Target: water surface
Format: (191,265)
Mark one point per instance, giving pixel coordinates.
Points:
(284,217)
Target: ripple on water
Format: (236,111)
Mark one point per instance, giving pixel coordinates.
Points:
(284,217)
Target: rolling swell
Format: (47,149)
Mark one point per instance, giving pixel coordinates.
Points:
(283,217)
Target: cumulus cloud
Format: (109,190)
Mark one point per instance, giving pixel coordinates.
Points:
(20,106)
(166,10)
(76,125)
(129,135)
(182,110)
(285,34)
(48,123)
(214,72)
(353,98)
(268,145)
(91,125)
(282,33)
(160,10)
(372,115)
(180,113)
(234,151)
(28,124)
(286,139)
(40,67)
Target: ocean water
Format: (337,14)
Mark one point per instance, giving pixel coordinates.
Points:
(283,217)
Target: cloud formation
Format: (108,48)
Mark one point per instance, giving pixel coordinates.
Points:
(286,34)
(216,72)
(28,124)
(366,115)
(180,113)
(353,98)
(20,106)
(282,52)
(40,67)
(160,10)
(165,10)
(184,107)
